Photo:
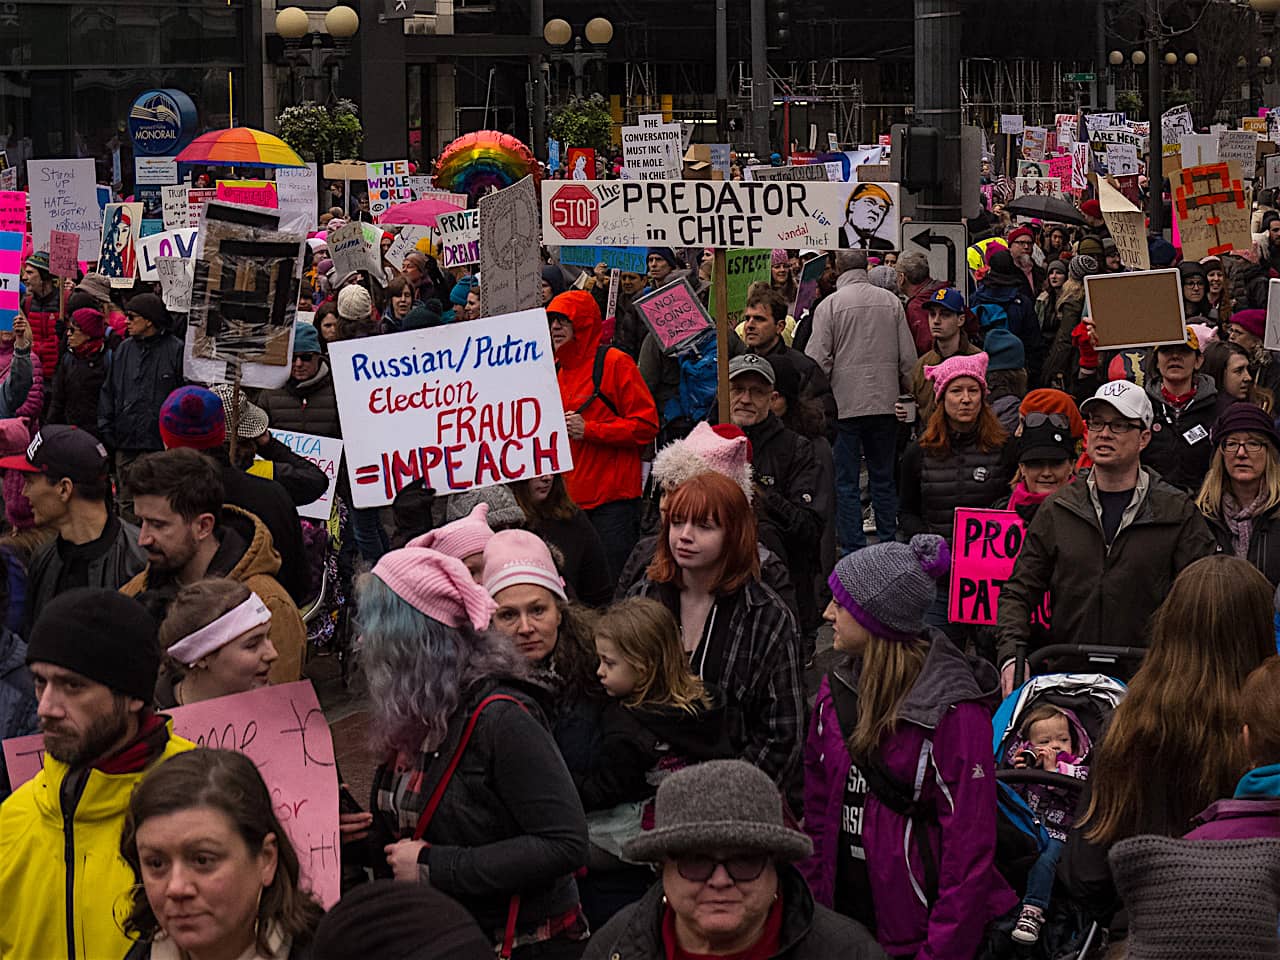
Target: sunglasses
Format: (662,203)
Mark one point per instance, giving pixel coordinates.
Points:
(305,357)
(1057,420)
(741,869)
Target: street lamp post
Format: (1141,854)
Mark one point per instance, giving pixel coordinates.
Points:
(558,33)
(293,25)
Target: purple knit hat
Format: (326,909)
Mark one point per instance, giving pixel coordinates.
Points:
(888,587)
(973,365)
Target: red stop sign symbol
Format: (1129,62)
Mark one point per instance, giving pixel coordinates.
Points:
(575,212)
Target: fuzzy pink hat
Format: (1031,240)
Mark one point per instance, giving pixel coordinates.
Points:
(520,557)
(461,538)
(974,365)
(436,585)
(723,449)
(778,258)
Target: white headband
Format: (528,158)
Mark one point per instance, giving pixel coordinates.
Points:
(213,636)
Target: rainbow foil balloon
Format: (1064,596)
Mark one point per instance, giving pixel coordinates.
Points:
(477,161)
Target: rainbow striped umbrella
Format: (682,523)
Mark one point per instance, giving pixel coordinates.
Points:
(240,147)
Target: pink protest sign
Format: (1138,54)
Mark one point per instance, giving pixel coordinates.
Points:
(64,253)
(282,730)
(1060,167)
(674,314)
(10,277)
(13,211)
(257,193)
(985,545)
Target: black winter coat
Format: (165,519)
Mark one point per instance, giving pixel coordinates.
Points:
(120,560)
(77,389)
(307,407)
(143,374)
(1180,450)
(1264,542)
(586,568)
(933,485)
(809,931)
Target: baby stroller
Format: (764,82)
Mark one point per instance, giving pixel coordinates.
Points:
(1090,700)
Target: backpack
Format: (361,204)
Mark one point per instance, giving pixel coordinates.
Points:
(597,375)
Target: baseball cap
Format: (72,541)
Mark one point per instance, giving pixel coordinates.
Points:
(1128,399)
(58,451)
(752,363)
(1046,440)
(947,298)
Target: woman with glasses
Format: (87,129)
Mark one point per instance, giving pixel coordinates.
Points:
(727,886)
(1195,290)
(1240,497)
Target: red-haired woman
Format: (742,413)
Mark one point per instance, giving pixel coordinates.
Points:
(740,636)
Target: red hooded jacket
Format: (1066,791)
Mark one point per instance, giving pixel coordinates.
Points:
(606,461)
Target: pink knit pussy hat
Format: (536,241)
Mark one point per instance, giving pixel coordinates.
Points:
(460,539)
(724,449)
(974,365)
(436,585)
(519,557)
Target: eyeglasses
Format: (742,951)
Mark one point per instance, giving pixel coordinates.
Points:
(741,869)
(1118,427)
(305,357)
(1250,446)
(1058,420)
(558,320)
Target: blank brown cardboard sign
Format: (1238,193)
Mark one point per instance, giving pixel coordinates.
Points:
(1139,309)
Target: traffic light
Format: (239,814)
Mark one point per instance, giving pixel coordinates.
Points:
(915,156)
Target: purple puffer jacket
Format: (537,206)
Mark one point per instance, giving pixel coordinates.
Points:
(949,703)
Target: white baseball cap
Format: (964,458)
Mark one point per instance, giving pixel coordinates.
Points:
(1126,397)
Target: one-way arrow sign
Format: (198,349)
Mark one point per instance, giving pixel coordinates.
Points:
(400,9)
(944,244)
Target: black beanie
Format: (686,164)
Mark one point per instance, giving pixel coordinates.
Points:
(393,920)
(150,307)
(102,635)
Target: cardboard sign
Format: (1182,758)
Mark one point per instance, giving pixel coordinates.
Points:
(1271,340)
(510,260)
(351,252)
(1012,124)
(64,196)
(459,406)
(728,214)
(986,546)
(807,288)
(1066,125)
(624,259)
(1240,147)
(1037,187)
(325,453)
(283,731)
(674,314)
(388,185)
(10,277)
(170,243)
(117,257)
(13,211)
(297,189)
(459,238)
(653,150)
(64,254)
(1256,124)
(744,267)
(1136,309)
(1033,143)
(256,193)
(1212,210)
(1128,226)
(175,274)
(580,163)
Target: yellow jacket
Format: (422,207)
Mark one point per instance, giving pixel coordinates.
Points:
(39,904)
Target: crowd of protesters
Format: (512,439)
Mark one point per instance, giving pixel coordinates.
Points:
(600,711)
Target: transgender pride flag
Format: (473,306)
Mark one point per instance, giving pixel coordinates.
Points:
(10,276)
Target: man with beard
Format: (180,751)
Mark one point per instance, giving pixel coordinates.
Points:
(190,532)
(1022,243)
(94,656)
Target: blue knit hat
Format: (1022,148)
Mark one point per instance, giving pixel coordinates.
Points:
(888,587)
(458,295)
(667,254)
(306,338)
(1004,350)
(192,417)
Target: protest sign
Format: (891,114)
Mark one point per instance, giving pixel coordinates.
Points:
(743,268)
(553,155)
(625,259)
(1101,141)
(1257,124)
(674,314)
(326,454)
(987,543)
(1060,170)
(509,249)
(1271,340)
(197,198)
(1102,121)
(283,731)
(1127,224)
(1198,149)
(1212,210)
(807,288)
(1081,162)
(459,406)
(1272,119)
(244,290)
(1032,168)
(10,277)
(459,238)
(388,185)
(1272,170)
(174,274)
(1121,159)
(297,189)
(721,158)
(1136,309)
(1012,124)
(1033,143)
(64,196)
(1066,125)
(1240,147)
(1143,129)
(1037,187)
(256,193)
(1175,123)
(351,252)
(9,178)
(580,163)
(117,256)
(64,254)
(833,172)
(708,213)
(175,210)
(652,150)
(171,243)
(13,211)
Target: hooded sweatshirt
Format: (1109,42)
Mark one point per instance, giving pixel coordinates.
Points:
(1253,812)
(606,461)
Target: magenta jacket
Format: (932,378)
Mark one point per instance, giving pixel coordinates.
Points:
(1253,812)
(950,708)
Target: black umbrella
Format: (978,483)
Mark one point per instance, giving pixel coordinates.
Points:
(1045,207)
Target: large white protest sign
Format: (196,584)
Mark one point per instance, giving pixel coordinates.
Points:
(1240,146)
(1122,159)
(1012,124)
(350,251)
(652,150)
(175,275)
(64,197)
(1175,123)
(706,213)
(297,190)
(509,251)
(1037,187)
(1198,149)
(174,206)
(459,238)
(460,406)
(171,243)
(388,185)
(326,454)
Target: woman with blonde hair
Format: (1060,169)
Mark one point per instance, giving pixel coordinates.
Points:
(1174,743)
(1240,496)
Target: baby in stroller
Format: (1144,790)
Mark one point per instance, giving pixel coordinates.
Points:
(1052,739)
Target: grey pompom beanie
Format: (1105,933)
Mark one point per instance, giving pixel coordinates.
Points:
(888,587)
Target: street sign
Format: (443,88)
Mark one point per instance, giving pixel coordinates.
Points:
(400,9)
(943,243)
(1079,77)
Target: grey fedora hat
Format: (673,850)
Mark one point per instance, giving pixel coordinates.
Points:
(714,806)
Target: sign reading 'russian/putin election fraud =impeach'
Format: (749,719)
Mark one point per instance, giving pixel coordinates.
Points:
(709,213)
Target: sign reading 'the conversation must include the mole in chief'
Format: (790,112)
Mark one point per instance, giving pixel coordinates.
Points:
(460,406)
